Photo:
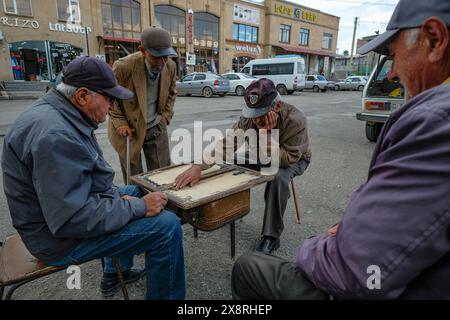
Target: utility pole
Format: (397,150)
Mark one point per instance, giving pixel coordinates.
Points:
(353,41)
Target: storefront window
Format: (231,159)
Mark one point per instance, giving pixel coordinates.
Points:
(240,62)
(40,60)
(19,7)
(61,55)
(206,42)
(69,10)
(173,20)
(114,50)
(122,19)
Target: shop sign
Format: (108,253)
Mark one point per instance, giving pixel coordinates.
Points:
(19,23)
(174,40)
(190,59)
(69,28)
(246,14)
(255,50)
(216,44)
(190,26)
(202,43)
(295,12)
(196,42)
(182,40)
(209,44)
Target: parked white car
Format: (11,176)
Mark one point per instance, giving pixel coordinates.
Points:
(239,82)
(318,83)
(352,83)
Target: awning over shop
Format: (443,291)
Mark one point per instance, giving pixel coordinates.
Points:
(307,51)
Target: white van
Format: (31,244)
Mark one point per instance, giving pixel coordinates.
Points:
(287,73)
(381,97)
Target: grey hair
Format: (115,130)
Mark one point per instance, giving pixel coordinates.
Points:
(66,90)
(412,36)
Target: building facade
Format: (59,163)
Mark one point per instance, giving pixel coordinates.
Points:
(38,38)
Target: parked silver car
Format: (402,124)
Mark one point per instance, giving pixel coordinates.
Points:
(318,83)
(239,82)
(203,83)
(352,83)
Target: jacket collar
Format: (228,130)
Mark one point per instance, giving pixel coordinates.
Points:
(70,112)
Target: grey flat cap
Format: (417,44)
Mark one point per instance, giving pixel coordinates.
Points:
(158,42)
(408,14)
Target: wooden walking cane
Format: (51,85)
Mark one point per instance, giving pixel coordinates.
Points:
(294,194)
(128,169)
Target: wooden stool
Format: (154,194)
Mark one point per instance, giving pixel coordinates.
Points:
(18,267)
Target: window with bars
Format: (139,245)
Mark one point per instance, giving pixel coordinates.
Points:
(69,11)
(327,41)
(18,7)
(285,33)
(122,18)
(304,37)
(244,33)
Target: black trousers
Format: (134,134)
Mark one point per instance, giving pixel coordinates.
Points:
(257,276)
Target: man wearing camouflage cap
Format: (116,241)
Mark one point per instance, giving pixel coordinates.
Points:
(264,110)
(151,75)
(393,240)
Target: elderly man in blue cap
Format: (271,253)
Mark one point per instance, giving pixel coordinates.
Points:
(393,241)
(61,195)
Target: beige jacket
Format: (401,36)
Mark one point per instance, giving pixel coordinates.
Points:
(130,73)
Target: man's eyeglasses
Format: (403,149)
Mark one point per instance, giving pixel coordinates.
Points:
(112,101)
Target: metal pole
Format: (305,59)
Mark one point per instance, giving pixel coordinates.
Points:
(86,41)
(353,42)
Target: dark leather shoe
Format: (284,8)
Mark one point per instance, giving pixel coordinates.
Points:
(110,282)
(268,244)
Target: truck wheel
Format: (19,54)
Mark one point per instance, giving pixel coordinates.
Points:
(373,130)
(360,88)
(316,89)
(282,90)
(337,88)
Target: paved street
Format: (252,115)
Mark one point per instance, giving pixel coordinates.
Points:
(341,156)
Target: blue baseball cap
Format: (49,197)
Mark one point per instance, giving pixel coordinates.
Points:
(408,14)
(96,75)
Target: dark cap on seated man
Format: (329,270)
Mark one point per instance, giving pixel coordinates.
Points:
(96,75)
(407,15)
(260,98)
(158,42)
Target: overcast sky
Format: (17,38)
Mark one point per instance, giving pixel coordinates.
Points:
(374,15)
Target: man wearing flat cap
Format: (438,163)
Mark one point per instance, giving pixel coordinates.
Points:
(265,111)
(151,75)
(393,241)
(61,195)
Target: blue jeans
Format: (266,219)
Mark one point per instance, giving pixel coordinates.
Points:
(159,237)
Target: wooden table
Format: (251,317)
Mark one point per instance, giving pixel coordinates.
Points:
(221,197)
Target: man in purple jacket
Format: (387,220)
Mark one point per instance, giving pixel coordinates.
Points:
(394,239)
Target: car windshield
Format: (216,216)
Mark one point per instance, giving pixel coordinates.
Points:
(321,78)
